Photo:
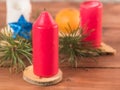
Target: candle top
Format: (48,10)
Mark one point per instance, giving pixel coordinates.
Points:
(90,4)
(45,20)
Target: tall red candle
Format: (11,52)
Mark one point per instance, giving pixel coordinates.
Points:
(45,46)
(91,21)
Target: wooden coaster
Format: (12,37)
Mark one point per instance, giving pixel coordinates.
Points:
(106,49)
(30,77)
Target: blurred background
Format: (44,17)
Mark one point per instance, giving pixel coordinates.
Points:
(71,0)
(111,10)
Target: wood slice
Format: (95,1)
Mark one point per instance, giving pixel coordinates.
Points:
(30,77)
(106,49)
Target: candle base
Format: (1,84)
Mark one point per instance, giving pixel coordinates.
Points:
(30,77)
(106,49)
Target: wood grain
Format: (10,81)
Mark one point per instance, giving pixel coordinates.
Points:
(30,77)
(74,79)
(101,75)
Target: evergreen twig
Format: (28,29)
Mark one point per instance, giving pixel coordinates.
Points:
(73,46)
(14,52)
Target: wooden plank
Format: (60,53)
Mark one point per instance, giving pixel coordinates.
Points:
(110,11)
(111,15)
(74,79)
(2,14)
(103,75)
(111,37)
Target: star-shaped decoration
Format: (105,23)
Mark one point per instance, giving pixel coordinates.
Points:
(21,28)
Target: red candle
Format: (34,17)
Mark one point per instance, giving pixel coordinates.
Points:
(91,21)
(45,46)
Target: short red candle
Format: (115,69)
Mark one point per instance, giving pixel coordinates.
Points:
(45,46)
(91,21)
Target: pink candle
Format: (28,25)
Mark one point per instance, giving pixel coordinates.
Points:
(91,21)
(45,46)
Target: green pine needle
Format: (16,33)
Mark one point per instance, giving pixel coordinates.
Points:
(17,53)
(14,52)
(73,47)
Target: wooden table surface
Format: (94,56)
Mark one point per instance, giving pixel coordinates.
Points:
(101,75)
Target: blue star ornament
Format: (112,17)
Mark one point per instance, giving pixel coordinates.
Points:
(21,28)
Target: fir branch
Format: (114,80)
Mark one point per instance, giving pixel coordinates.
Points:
(14,52)
(72,46)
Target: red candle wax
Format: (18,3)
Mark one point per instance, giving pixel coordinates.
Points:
(91,21)
(45,46)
